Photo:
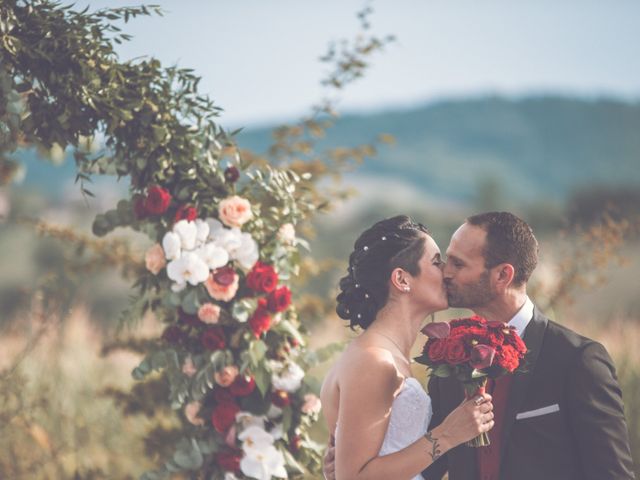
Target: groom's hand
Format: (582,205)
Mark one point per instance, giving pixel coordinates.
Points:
(329,463)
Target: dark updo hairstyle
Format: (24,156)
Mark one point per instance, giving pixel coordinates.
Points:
(396,242)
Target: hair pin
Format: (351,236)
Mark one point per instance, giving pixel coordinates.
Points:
(365,248)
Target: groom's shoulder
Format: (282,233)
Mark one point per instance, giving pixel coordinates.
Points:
(567,341)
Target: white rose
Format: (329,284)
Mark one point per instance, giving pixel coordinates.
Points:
(289,378)
(264,463)
(171,245)
(287,234)
(247,253)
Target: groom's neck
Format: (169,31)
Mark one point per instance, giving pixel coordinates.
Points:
(504,307)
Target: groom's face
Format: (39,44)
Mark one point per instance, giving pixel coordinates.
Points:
(466,279)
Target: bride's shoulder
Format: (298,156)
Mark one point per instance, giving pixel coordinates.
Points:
(363,361)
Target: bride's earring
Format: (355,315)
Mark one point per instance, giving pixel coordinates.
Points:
(406,288)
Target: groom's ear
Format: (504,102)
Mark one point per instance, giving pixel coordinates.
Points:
(503,276)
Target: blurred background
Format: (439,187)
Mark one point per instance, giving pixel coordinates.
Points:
(531,107)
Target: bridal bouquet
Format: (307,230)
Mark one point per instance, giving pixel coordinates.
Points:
(472,350)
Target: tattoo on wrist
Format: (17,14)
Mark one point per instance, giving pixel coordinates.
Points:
(435,446)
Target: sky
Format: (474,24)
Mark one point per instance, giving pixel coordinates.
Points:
(258,59)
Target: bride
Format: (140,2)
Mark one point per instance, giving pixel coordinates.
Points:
(378,413)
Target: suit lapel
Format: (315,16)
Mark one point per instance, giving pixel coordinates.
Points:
(533,336)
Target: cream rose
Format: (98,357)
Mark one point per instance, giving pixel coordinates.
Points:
(311,404)
(220,287)
(154,259)
(287,234)
(209,313)
(234,211)
(226,376)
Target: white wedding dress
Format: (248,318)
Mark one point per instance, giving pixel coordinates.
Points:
(411,412)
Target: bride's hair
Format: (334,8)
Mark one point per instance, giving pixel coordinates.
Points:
(396,242)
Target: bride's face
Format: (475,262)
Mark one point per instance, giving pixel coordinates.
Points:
(427,287)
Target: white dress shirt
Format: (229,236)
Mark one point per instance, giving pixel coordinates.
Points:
(521,319)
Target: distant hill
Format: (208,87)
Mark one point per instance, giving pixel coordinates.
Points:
(531,148)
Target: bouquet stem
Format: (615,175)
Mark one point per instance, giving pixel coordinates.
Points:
(471,390)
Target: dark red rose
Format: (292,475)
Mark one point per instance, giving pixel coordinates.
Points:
(437,349)
(186,212)
(224,276)
(280,398)
(468,322)
(231,174)
(260,321)
(229,460)
(455,350)
(262,278)
(157,201)
(188,319)
(139,209)
(471,332)
(224,415)
(496,324)
(279,299)
(213,338)
(242,386)
(513,339)
(295,444)
(222,395)
(173,335)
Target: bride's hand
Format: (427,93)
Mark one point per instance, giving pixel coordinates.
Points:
(471,418)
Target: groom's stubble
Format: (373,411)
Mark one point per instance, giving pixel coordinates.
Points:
(470,296)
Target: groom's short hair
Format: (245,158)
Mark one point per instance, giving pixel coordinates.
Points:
(509,240)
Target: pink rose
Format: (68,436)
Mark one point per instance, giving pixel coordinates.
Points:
(222,284)
(188,368)
(209,313)
(234,211)
(226,376)
(154,259)
(311,404)
(191,411)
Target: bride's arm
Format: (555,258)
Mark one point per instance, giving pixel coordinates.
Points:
(367,388)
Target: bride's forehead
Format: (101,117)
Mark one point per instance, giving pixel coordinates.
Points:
(431,247)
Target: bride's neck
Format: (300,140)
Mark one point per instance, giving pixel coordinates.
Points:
(400,325)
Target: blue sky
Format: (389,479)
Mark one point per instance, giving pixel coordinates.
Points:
(258,58)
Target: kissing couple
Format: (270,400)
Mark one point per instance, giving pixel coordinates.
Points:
(561,418)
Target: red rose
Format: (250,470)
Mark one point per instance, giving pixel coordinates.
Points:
(222,395)
(229,460)
(157,200)
(173,335)
(507,357)
(455,351)
(242,386)
(437,349)
(186,212)
(280,398)
(139,209)
(468,322)
(514,340)
(213,338)
(224,415)
(231,174)
(260,321)
(295,444)
(279,299)
(262,278)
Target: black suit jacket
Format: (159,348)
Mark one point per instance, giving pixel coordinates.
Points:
(587,439)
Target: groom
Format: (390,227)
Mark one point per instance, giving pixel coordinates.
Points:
(561,419)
